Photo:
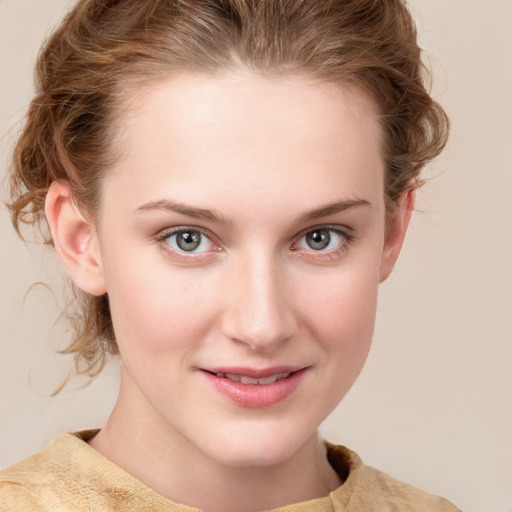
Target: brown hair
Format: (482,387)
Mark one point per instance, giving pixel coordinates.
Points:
(105,47)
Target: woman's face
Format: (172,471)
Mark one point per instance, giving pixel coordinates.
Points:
(242,237)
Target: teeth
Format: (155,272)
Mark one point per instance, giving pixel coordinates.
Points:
(243,379)
(268,380)
(232,376)
(273,378)
(248,380)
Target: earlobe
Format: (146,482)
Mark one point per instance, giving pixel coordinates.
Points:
(75,239)
(396,232)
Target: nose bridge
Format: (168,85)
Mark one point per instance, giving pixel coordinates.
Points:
(259,312)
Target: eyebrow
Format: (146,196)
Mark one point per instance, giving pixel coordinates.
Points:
(331,209)
(213,216)
(183,209)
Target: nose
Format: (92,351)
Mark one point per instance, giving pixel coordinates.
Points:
(258,309)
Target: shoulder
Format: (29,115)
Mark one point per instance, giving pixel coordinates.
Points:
(17,489)
(40,482)
(70,476)
(403,496)
(15,497)
(370,490)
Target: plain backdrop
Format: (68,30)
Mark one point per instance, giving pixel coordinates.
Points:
(433,406)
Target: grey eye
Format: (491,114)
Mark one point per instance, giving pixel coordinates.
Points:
(319,239)
(191,241)
(322,239)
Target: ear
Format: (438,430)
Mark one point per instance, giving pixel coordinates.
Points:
(396,232)
(75,239)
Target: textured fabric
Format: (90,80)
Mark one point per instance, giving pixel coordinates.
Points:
(69,475)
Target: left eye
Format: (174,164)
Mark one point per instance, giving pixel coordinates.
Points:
(189,240)
(322,239)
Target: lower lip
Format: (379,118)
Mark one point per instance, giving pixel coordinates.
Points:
(256,395)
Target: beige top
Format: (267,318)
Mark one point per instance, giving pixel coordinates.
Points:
(69,475)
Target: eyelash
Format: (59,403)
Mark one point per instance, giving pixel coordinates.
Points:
(346,235)
(185,256)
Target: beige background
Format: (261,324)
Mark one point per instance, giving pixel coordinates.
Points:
(434,404)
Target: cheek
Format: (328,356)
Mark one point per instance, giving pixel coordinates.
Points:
(344,325)
(160,320)
(165,311)
(344,297)
(340,311)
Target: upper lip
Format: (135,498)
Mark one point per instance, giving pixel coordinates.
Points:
(254,373)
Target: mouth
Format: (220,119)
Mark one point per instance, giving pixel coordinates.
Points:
(245,379)
(256,388)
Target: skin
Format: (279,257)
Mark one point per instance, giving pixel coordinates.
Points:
(260,154)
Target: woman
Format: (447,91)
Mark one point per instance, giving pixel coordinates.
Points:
(227,183)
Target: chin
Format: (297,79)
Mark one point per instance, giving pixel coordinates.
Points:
(262,446)
(248,457)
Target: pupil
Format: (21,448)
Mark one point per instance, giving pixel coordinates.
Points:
(318,239)
(189,240)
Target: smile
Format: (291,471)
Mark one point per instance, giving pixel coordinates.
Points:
(244,379)
(255,388)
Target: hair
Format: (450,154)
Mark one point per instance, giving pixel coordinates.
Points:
(106,48)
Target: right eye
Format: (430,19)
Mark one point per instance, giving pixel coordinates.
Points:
(191,241)
(323,240)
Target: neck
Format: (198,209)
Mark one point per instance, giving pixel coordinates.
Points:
(168,463)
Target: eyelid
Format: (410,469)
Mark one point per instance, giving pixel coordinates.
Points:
(344,230)
(347,233)
(164,234)
(180,228)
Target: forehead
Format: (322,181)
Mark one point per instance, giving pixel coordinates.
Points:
(241,132)
(244,100)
